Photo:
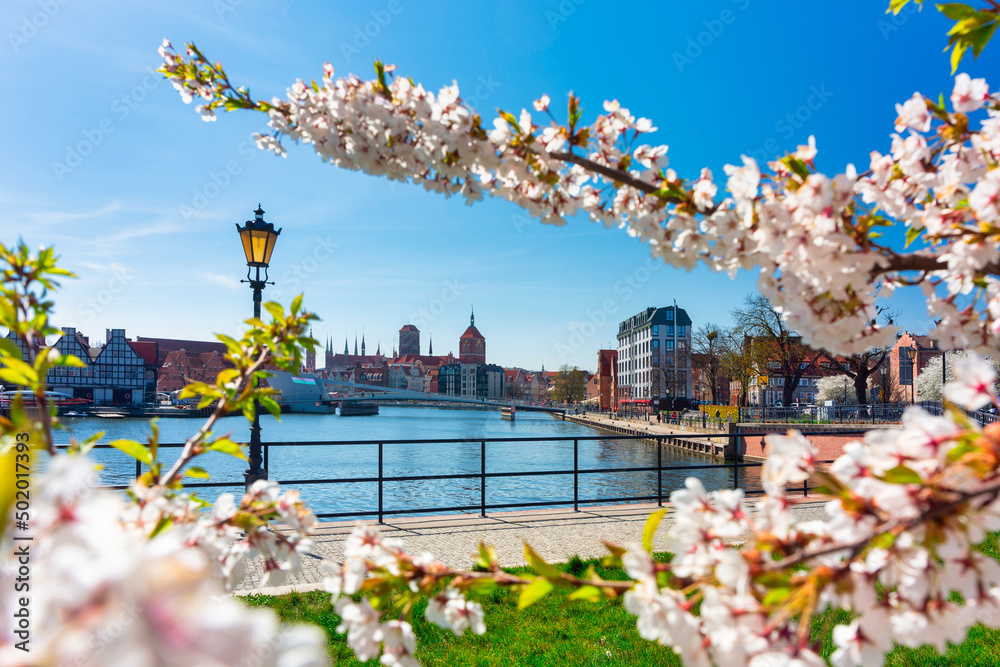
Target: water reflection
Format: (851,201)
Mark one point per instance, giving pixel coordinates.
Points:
(290,462)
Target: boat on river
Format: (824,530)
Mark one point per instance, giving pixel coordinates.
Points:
(357,409)
(508,412)
(301,393)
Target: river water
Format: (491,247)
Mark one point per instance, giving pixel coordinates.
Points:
(405,423)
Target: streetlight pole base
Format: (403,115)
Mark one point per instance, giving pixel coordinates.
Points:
(251,475)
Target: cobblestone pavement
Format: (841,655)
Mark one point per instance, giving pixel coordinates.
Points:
(555,534)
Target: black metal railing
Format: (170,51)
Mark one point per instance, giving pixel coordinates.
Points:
(735,464)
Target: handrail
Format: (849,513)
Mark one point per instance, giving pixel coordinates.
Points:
(484,476)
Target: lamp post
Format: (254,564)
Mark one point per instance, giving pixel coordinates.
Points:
(911,354)
(944,374)
(258,239)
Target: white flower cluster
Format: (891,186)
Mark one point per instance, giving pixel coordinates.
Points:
(370,556)
(909,507)
(813,237)
(137,583)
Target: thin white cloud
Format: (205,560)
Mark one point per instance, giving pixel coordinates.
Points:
(145,230)
(225,281)
(58,217)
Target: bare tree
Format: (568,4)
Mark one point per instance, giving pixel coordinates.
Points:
(708,346)
(860,367)
(739,361)
(781,349)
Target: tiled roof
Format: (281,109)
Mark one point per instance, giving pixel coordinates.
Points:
(472,332)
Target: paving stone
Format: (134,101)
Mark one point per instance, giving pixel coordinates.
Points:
(556,535)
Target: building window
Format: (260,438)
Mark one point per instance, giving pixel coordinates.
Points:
(668,344)
(680,329)
(656,329)
(656,344)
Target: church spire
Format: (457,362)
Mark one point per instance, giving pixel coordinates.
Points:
(346,352)
(362,343)
(378,350)
(472,318)
(355,345)
(430,346)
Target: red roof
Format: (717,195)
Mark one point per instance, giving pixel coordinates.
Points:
(472,332)
(409,327)
(145,349)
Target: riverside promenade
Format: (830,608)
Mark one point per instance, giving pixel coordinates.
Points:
(674,433)
(556,535)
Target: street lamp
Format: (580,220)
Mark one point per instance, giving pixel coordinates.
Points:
(258,239)
(911,354)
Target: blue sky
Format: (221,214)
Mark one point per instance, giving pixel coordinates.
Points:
(140,196)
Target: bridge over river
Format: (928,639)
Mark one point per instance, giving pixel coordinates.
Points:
(381,394)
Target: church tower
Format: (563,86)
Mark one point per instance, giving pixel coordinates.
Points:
(472,344)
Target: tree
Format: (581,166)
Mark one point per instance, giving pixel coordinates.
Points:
(569,385)
(708,349)
(740,362)
(836,388)
(907,505)
(929,378)
(779,351)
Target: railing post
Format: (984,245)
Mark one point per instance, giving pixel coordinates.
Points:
(380,483)
(805,487)
(138,469)
(265,457)
(659,472)
(482,479)
(734,443)
(576,475)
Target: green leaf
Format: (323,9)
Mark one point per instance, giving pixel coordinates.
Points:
(226,446)
(509,117)
(586,593)
(883,541)
(161,525)
(896,5)
(956,56)
(296,304)
(776,595)
(797,166)
(196,472)
(134,449)
(979,38)
(652,523)
(10,375)
(21,368)
(912,233)
(277,312)
(270,405)
(69,360)
(538,564)
(534,592)
(956,11)
(901,475)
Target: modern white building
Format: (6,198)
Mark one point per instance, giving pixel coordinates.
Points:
(654,354)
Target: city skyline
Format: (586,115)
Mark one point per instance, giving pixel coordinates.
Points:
(139,196)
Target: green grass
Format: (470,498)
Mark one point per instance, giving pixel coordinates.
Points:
(553,633)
